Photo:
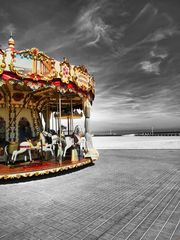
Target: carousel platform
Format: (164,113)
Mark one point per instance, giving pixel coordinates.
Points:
(39,168)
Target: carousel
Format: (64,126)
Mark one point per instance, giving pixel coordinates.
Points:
(44,114)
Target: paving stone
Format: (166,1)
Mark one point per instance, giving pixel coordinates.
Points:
(176,236)
(114,195)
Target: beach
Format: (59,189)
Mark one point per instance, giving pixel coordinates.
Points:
(137,142)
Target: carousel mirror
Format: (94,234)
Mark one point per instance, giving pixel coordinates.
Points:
(32,63)
(23,64)
(24,128)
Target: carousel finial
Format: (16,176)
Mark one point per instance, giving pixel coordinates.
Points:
(11,41)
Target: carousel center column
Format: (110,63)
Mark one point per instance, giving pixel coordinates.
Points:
(91,151)
(87,110)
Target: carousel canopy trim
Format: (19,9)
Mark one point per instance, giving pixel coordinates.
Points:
(36,69)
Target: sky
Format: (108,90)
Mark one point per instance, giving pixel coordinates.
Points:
(132,48)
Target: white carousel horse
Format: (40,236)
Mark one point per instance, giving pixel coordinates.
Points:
(76,139)
(79,138)
(55,139)
(55,142)
(23,148)
(69,143)
(46,147)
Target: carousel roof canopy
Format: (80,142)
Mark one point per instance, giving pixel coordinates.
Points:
(34,69)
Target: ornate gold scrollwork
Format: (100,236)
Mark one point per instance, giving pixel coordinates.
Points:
(31,63)
(57,169)
(2,61)
(82,77)
(65,71)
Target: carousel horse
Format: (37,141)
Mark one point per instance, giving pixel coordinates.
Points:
(76,139)
(69,143)
(56,144)
(45,142)
(24,147)
(51,142)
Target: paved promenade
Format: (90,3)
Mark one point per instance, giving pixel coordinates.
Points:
(127,194)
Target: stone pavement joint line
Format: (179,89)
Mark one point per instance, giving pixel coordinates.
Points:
(116,212)
(132,218)
(126,195)
(145,215)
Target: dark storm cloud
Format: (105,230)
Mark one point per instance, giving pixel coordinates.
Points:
(132,49)
(146,64)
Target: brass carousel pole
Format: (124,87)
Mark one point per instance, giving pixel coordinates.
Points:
(56,121)
(46,126)
(71,123)
(48,117)
(68,125)
(52,120)
(60,156)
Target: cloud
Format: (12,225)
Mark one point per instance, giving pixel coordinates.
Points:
(161,34)
(147,12)
(90,28)
(149,26)
(3,13)
(149,67)
(136,109)
(158,52)
(133,51)
(40,31)
(133,84)
(10,28)
(7,30)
